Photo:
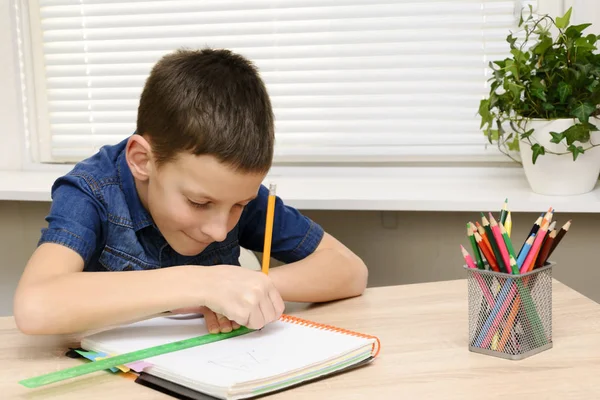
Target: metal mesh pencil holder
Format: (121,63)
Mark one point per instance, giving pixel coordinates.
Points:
(510,316)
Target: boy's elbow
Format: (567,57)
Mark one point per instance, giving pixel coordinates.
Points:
(29,314)
(360,277)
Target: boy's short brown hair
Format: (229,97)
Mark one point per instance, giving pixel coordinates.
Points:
(208,102)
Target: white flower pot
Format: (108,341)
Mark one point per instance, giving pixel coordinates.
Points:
(559,174)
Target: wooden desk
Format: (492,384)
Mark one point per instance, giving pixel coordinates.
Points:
(423,331)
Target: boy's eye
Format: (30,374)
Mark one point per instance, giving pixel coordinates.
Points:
(197,205)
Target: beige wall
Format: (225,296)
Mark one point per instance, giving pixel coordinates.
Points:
(427,251)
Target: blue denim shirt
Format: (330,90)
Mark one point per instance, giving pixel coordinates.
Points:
(96,212)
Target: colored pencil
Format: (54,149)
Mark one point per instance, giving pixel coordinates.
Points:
(494,245)
(499,241)
(504,212)
(534,229)
(507,293)
(508,223)
(536,257)
(499,310)
(471,264)
(468,258)
(476,252)
(483,235)
(530,259)
(269,229)
(487,253)
(525,250)
(508,242)
(509,323)
(563,231)
(545,251)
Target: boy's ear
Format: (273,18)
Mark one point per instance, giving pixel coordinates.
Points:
(139,157)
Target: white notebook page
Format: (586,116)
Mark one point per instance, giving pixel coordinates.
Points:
(278,348)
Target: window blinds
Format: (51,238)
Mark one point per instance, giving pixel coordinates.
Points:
(349,79)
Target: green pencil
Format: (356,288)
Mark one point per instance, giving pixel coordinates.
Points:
(492,240)
(510,248)
(478,259)
(504,212)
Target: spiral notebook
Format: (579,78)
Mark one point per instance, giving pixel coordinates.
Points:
(285,353)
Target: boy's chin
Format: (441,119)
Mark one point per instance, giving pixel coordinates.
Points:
(188,247)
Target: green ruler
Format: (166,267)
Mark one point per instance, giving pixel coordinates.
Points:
(128,358)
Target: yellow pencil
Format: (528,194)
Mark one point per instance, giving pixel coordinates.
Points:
(269,229)
(508,225)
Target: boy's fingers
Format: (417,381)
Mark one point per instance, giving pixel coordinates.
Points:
(278,303)
(235,325)
(268,311)
(212,324)
(224,323)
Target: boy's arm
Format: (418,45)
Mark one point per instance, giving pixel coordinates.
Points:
(54,296)
(318,267)
(331,272)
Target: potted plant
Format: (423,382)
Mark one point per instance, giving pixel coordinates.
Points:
(543,104)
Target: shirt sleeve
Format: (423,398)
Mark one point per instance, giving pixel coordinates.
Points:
(76,216)
(295,236)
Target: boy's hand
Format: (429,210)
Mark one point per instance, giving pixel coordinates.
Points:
(215,323)
(245,297)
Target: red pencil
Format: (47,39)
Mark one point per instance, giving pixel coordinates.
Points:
(468,258)
(487,253)
(530,259)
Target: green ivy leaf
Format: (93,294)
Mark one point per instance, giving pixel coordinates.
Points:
(564,90)
(511,40)
(544,44)
(525,135)
(513,145)
(556,137)
(576,150)
(592,86)
(562,22)
(491,134)
(538,150)
(582,43)
(577,133)
(583,111)
(575,30)
(539,93)
(511,67)
(514,89)
(484,111)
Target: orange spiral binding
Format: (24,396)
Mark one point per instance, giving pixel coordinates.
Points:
(304,322)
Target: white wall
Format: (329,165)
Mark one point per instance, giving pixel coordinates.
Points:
(10,125)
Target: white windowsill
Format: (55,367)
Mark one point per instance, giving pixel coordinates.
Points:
(354,188)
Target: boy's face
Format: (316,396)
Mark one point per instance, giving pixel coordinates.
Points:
(196,200)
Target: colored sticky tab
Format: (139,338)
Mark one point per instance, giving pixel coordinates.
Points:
(93,356)
(114,369)
(138,366)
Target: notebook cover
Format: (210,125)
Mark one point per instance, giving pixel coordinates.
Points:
(181,392)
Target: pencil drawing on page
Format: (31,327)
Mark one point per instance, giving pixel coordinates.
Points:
(245,361)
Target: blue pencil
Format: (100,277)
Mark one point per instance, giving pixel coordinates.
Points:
(488,323)
(525,250)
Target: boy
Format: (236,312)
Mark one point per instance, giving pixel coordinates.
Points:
(181,194)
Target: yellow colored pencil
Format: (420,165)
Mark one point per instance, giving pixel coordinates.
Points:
(269,229)
(508,224)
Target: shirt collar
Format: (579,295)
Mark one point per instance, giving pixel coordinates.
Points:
(139,216)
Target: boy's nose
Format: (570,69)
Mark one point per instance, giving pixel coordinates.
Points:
(217,232)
